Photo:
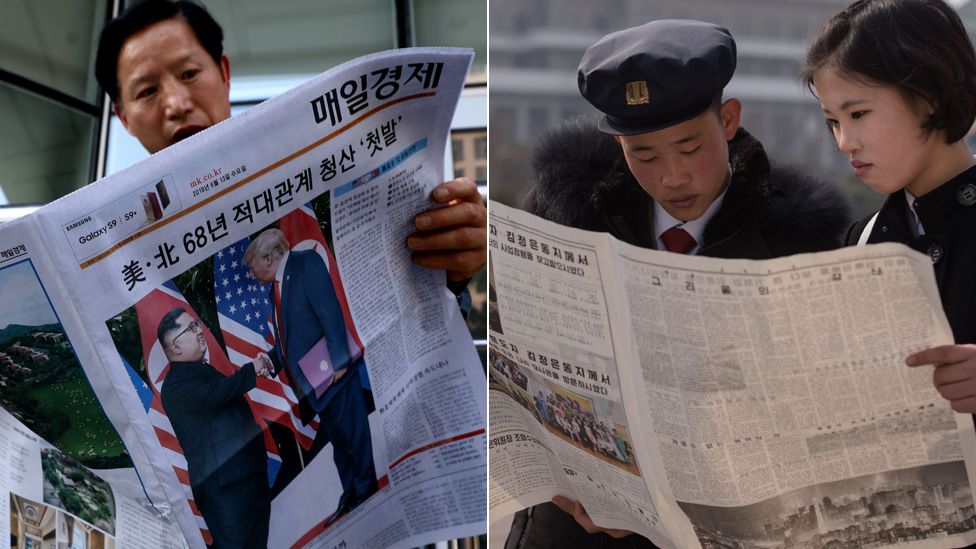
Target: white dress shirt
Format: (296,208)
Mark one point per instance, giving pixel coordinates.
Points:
(696,227)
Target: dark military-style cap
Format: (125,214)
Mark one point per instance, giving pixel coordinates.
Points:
(656,75)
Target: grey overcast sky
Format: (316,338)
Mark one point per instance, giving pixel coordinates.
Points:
(24,301)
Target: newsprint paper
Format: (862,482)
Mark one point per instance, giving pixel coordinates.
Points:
(722,403)
(109,439)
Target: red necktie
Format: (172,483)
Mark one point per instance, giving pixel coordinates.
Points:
(276,289)
(678,240)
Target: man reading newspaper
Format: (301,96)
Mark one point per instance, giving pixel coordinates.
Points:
(668,167)
(163,66)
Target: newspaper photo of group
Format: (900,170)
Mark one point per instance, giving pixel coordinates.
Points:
(249,366)
(589,423)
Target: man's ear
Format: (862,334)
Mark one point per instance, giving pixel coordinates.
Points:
(729,114)
(225,71)
(120,112)
(173,350)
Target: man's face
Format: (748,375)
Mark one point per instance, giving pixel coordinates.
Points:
(686,166)
(187,342)
(264,266)
(169,86)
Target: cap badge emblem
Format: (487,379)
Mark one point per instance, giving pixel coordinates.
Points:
(637,93)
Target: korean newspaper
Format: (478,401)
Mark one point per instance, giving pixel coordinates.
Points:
(723,403)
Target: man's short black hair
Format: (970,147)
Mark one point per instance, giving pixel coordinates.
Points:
(919,47)
(716,105)
(141,15)
(168,323)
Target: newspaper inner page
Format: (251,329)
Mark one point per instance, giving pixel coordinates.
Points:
(558,425)
(252,314)
(777,395)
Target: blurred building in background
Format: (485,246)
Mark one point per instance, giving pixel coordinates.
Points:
(535,48)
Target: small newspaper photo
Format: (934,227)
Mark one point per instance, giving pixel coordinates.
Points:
(230,337)
(719,403)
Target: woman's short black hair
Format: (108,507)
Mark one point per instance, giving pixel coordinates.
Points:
(141,15)
(919,47)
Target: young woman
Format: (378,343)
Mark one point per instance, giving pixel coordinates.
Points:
(897,83)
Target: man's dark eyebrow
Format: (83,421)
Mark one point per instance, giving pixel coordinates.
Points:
(681,141)
(687,138)
(136,83)
(142,78)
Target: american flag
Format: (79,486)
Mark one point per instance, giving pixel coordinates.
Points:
(244,313)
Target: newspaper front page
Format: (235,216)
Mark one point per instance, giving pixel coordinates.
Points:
(353,367)
(763,403)
(552,356)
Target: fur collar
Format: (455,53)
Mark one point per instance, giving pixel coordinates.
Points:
(582,180)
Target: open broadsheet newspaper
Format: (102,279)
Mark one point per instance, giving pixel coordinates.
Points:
(722,403)
(120,430)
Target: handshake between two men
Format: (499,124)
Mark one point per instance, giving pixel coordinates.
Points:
(263,367)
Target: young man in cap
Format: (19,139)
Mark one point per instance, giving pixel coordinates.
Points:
(667,167)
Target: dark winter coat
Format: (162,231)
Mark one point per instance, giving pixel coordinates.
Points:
(583,181)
